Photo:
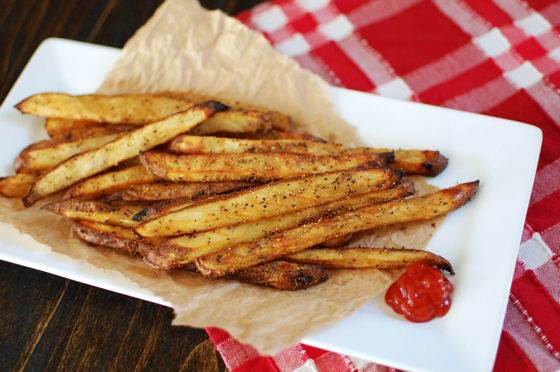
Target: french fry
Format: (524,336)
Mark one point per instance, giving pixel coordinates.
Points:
(182,250)
(16,186)
(234,121)
(305,236)
(129,145)
(362,258)
(43,158)
(162,208)
(173,190)
(107,183)
(186,144)
(270,200)
(278,274)
(251,167)
(119,109)
(90,210)
(71,130)
(421,162)
(278,120)
(116,237)
(283,275)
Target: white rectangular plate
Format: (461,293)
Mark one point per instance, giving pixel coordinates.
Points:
(481,239)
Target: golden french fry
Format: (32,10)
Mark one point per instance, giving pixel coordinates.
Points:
(119,109)
(17,185)
(362,258)
(182,250)
(40,159)
(234,121)
(251,167)
(90,210)
(72,130)
(314,233)
(174,190)
(278,120)
(187,144)
(421,162)
(270,200)
(107,183)
(129,145)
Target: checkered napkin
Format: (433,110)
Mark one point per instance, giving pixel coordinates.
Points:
(496,57)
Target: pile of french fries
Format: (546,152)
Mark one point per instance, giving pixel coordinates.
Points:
(222,188)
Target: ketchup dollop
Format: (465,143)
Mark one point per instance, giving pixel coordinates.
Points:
(420,294)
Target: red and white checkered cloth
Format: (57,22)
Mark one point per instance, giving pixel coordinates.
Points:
(496,57)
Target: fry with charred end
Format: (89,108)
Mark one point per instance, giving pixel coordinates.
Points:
(187,144)
(278,120)
(270,200)
(174,190)
(107,183)
(251,167)
(40,159)
(182,250)
(90,210)
(362,258)
(17,185)
(234,121)
(116,237)
(283,275)
(314,233)
(421,162)
(341,241)
(119,109)
(129,145)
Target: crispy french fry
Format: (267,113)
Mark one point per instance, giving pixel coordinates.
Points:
(251,167)
(362,258)
(182,250)
(129,145)
(162,208)
(173,190)
(278,120)
(283,275)
(72,130)
(234,121)
(270,200)
(314,233)
(17,185)
(107,183)
(187,144)
(120,109)
(421,162)
(116,237)
(40,159)
(90,210)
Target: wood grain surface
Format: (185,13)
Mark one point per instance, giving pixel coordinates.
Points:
(48,323)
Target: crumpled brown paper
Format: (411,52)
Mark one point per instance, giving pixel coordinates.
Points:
(184,47)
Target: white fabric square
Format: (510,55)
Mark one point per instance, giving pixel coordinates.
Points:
(524,76)
(337,29)
(493,43)
(294,46)
(312,5)
(309,366)
(534,252)
(534,24)
(396,88)
(555,54)
(270,19)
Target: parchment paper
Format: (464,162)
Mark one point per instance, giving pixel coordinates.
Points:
(184,47)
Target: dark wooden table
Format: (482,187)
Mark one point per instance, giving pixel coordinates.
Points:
(51,323)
